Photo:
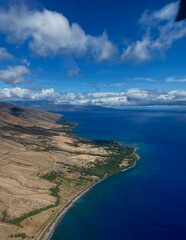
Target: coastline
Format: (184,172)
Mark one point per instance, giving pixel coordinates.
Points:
(49,229)
(68,167)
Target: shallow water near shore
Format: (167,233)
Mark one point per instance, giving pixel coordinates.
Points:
(146,202)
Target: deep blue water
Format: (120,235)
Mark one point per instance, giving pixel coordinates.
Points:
(147,202)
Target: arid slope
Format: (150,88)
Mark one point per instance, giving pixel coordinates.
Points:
(43,167)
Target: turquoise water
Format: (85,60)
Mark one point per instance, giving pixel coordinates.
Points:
(147,202)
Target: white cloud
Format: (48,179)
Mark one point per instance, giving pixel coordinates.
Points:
(50,33)
(167,13)
(176,79)
(138,51)
(160,32)
(137,94)
(17,93)
(4,55)
(14,75)
(26,62)
(101,48)
(130,97)
(146,79)
(181,95)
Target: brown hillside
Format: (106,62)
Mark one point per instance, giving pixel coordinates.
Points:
(33,145)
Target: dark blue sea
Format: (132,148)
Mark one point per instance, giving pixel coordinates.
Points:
(147,202)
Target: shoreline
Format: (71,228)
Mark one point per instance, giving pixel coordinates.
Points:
(49,229)
(59,166)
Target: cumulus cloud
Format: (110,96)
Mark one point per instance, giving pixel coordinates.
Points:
(130,97)
(14,75)
(4,55)
(17,93)
(137,94)
(50,33)
(160,32)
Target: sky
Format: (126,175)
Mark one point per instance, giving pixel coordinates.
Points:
(102,52)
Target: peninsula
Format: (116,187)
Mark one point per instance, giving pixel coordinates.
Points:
(44,168)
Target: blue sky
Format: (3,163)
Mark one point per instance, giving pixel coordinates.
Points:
(106,52)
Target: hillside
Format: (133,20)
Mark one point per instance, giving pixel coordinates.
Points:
(43,167)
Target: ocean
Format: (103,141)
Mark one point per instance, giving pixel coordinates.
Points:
(147,202)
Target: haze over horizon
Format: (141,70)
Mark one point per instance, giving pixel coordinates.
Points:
(105,53)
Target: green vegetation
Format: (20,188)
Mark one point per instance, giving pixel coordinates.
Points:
(55,193)
(106,166)
(83,182)
(51,176)
(17,221)
(18,235)
(112,163)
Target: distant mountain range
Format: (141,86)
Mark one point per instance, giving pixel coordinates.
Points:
(51,107)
